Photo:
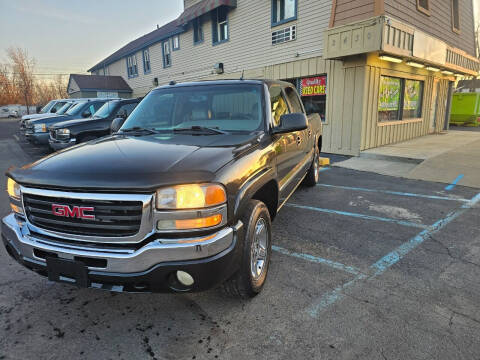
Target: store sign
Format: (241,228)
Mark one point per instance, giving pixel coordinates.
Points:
(107,94)
(314,86)
(412,95)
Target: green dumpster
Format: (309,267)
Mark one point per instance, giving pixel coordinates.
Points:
(465,109)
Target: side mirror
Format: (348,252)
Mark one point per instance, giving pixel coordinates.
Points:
(291,122)
(53,110)
(122,114)
(116,125)
(86,114)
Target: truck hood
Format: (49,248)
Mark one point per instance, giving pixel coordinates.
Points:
(36,116)
(49,118)
(139,164)
(68,123)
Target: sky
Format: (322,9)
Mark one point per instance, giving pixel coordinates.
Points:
(67,36)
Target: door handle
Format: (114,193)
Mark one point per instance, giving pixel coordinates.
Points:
(299,140)
(309,132)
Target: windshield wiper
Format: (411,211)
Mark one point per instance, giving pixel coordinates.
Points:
(138,129)
(201,128)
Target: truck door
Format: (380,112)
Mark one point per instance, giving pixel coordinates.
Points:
(285,145)
(304,139)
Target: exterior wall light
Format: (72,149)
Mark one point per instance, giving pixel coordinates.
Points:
(446,72)
(390,58)
(415,64)
(431,68)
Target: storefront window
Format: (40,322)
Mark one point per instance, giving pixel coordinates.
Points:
(399,99)
(314,95)
(412,104)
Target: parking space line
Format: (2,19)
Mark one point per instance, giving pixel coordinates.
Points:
(399,193)
(323,169)
(318,260)
(454,183)
(16,137)
(360,216)
(391,258)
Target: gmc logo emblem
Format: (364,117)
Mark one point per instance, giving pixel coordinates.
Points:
(78,212)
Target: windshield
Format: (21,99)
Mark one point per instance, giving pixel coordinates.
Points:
(224,107)
(75,109)
(47,107)
(105,110)
(64,109)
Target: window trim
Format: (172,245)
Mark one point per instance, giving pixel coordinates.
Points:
(454,29)
(165,66)
(149,61)
(281,22)
(199,22)
(215,27)
(173,42)
(132,75)
(404,76)
(422,9)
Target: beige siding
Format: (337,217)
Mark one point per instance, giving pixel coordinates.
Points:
(439,23)
(249,46)
(188,3)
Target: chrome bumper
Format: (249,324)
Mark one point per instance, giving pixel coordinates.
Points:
(17,235)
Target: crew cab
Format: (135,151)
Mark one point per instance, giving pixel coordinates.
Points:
(71,132)
(25,122)
(36,131)
(51,108)
(180,198)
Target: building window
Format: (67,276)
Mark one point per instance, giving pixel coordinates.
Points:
(220,25)
(284,35)
(400,99)
(424,6)
(455,16)
(132,69)
(197,31)
(313,91)
(146,61)
(283,11)
(176,42)
(167,56)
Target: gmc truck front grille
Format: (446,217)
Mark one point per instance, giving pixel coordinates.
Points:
(105,218)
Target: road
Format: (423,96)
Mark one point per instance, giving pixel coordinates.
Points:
(365,267)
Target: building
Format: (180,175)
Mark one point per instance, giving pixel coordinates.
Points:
(377,71)
(92,86)
(468,86)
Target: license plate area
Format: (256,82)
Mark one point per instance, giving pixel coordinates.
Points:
(67,271)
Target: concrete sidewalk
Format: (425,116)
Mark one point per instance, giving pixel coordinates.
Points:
(440,158)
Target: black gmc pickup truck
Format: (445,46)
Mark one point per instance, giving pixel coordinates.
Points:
(180,198)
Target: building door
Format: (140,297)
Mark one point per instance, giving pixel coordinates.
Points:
(434,105)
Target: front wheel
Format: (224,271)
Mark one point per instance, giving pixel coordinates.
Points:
(248,281)
(314,172)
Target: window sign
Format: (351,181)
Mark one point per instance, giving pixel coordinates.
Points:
(389,98)
(314,86)
(412,104)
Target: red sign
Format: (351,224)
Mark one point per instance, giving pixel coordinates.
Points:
(74,212)
(314,86)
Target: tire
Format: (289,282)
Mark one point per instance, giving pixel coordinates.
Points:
(244,283)
(313,173)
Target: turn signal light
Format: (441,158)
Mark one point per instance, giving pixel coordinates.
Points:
(198,223)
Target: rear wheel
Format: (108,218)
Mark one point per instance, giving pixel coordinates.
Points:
(248,281)
(313,173)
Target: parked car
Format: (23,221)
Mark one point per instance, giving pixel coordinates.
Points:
(66,106)
(180,199)
(51,108)
(37,130)
(71,132)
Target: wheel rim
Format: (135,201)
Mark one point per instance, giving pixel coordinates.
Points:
(259,249)
(316,166)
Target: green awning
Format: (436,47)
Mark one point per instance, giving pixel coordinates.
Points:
(201,8)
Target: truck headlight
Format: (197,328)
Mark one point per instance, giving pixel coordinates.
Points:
(13,189)
(40,128)
(63,132)
(193,196)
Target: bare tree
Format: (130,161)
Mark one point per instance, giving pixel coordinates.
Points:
(8,90)
(61,86)
(22,69)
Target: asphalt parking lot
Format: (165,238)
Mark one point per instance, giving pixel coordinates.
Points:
(365,266)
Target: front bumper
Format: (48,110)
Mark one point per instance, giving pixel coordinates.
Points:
(37,138)
(151,267)
(60,145)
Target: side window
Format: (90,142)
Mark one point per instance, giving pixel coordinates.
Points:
(293,100)
(95,106)
(58,106)
(167,57)
(278,104)
(126,109)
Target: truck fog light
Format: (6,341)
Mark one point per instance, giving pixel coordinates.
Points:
(185,278)
(166,224)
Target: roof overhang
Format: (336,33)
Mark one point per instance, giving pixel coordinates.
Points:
(201,8)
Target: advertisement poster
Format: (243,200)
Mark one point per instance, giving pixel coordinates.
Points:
(412,94)
(314,86)
(389,97)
